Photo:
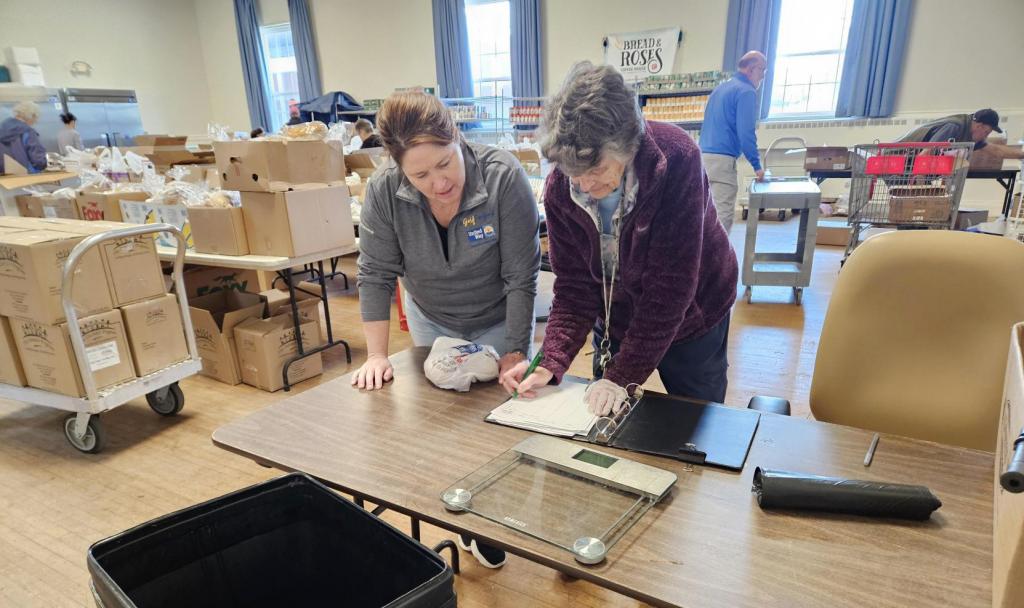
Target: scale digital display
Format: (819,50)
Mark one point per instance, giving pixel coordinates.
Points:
(595,458)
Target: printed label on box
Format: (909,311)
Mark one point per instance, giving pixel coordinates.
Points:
(103,356)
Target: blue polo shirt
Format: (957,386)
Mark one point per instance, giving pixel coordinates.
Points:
(730,121)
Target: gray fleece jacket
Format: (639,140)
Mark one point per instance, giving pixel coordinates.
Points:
(490,275)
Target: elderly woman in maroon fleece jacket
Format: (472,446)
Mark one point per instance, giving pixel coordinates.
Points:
(638,253)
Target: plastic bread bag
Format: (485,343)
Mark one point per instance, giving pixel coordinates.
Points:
(177,173)
(65,193)
(93,180)
(456,364)
(114,166)
(339,131)
(218,132)
(217,199)
(788,490)
(138,164)
(306,130)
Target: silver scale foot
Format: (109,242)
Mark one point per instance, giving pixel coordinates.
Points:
(588,550)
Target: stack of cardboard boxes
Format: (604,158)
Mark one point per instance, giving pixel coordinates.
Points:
(130,325)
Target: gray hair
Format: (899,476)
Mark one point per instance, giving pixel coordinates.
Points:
(594,114)
(26,111)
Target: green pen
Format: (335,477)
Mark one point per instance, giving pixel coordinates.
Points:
(529,370)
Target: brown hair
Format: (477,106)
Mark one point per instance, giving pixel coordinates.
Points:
(409,119)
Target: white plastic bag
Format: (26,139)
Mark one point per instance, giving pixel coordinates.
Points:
(456,364)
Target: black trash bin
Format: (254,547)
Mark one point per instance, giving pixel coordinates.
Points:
(289,541)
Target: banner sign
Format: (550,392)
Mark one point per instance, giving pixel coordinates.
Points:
(642,54)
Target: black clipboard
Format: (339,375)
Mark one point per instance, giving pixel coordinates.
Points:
(677,428)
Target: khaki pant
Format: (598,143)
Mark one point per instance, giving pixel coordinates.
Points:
(721,170)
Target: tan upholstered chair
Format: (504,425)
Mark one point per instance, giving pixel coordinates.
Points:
(916,334)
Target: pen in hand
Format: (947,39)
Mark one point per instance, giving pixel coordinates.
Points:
(529,370)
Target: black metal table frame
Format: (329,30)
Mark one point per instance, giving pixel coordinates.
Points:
(1006,178)
(288,276)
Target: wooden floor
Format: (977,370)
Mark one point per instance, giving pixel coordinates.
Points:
(55,501)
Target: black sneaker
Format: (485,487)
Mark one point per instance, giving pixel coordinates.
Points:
(464,542)
(488,556)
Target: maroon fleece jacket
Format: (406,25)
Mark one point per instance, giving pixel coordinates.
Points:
(677,269)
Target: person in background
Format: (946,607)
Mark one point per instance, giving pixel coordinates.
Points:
(730,128)
(293,112)
(20,141)
(257,132)
(367,138)
(636,247)
(963,128)
(457,221)
(69,137)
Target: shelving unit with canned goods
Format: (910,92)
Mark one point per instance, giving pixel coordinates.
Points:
(82,426)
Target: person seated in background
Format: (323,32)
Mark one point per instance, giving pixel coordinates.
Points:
(368,139)
(68,136)
(20,141)
(293,112)
(963,128)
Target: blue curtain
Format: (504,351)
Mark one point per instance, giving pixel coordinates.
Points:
(451,49)
(753,25)
(247,23)
(874,58)
(526,61)
(305,50)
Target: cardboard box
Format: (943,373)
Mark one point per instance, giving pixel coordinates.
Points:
(11,371)
(94,206)
(255,166)
(364,162)
(131,264)
(156,334)
(25,206)
(31,269)
(264,345)
(214,318)
(304,219)
(204,280)
(1008,508)
(307,298)
(965,218)
(219,230)
(167,150)
(833,232)
(49,359)
(827,158)
(920,208)
(983,161)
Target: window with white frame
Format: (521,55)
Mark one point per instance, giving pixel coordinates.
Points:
(809,57)
(490,40)
(280,71)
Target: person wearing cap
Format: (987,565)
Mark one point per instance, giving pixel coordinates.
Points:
(963,128)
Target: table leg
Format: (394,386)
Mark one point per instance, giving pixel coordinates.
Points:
(331,342)
(1008,195)
(415,527)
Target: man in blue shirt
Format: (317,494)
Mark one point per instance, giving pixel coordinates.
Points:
(730,124)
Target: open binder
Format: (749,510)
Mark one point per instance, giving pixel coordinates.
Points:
(663,425)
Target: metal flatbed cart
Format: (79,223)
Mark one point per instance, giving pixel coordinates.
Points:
(782,269)
(82,426)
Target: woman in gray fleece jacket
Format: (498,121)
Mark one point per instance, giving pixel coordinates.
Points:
(458,223)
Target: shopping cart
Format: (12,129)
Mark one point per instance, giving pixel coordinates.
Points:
(906,185)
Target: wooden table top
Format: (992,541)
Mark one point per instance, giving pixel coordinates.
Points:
(707,544)
(13,182)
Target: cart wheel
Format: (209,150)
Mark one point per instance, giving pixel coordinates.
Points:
(746,212)
(94,438)
(782,215)
(171,403)
(798,294)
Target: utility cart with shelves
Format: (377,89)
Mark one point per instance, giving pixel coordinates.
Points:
(82,426)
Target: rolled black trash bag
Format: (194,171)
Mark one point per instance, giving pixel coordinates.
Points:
(789,490)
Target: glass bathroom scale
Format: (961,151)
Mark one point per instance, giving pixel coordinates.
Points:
(557,491)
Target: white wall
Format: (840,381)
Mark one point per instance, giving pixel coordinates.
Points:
(573,30)
(147,45)
(369,48)
(215,20)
